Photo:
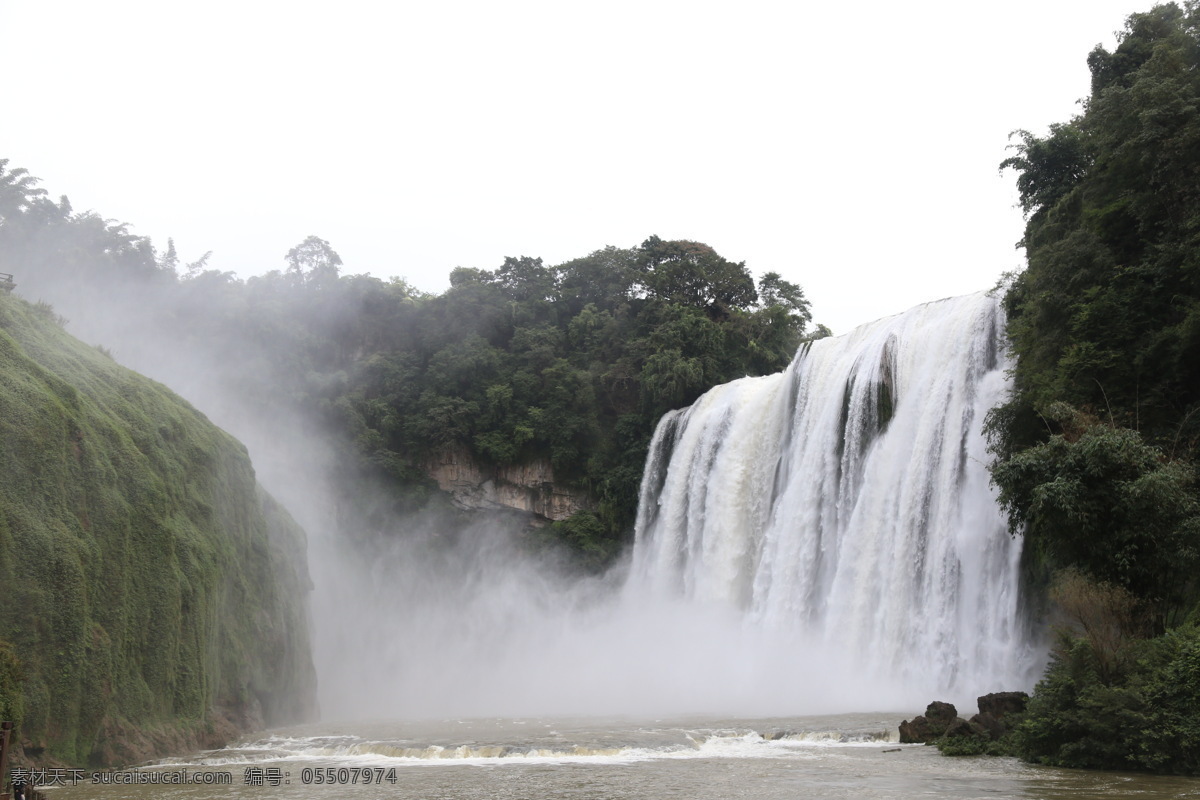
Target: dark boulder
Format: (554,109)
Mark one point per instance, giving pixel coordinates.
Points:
(937,718)
(961,728)
(939,712)
(1000,704)
(998,713)
(988,722)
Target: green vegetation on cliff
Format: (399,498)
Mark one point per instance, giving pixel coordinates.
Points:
(153,594)
(1096,449)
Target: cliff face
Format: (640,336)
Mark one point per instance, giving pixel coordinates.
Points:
(526,487)
(154,596)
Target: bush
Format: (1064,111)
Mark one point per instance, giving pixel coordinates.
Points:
(976,746)
(591,544)
(1147,716)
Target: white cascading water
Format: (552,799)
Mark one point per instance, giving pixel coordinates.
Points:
(845,504)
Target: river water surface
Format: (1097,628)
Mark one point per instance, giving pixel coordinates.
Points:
(841,756)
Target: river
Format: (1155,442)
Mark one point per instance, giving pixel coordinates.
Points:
(838,756)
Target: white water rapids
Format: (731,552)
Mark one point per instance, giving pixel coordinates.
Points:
(844,505)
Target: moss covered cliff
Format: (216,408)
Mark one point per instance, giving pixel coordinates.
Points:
(151,594)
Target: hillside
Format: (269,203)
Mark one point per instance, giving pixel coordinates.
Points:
(1097,446)
(1098,443)
(154,595)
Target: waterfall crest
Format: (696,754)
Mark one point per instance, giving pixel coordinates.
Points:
(844,504)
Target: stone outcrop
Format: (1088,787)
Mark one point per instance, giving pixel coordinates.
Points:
(994,708)
(932,725)
(941,719)
(961,727)
(1001,704)
(528,487)
(990,724)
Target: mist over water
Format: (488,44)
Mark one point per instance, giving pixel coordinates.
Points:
(816,541)
(820,540)
(480,631)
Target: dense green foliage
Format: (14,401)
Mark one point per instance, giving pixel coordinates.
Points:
(977,745)
(572,364)
(1106,318)
(1100,499)
(569,365)
(1146,716)
(1107,315)
(1096,447)
(148,580)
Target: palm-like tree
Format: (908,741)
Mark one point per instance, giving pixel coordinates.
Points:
(17,189)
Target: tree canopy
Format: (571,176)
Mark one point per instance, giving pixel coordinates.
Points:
(1107,315)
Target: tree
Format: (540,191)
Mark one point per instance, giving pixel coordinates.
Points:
(314,263)
(525,279)
(1048,168)
(604,279)
(18,189)
(693,274)
(169,261)
(773,291)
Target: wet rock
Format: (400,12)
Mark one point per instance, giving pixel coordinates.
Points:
(939,713)
(998,712)
(932,725)
(989,723)
(961,728)
(1000,704)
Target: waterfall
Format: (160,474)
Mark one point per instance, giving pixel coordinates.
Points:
(844,505)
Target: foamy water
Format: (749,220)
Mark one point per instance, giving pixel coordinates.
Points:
(840,756)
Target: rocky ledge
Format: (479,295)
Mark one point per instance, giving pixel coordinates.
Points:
(530,488)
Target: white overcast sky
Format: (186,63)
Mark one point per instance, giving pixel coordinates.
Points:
(853,148)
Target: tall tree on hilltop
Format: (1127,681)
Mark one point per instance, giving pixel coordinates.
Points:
(314,262)
(692,274)
(17,190)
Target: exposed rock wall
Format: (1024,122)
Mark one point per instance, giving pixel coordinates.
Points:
(528,487)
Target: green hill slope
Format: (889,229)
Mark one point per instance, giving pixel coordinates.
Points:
(152,594)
